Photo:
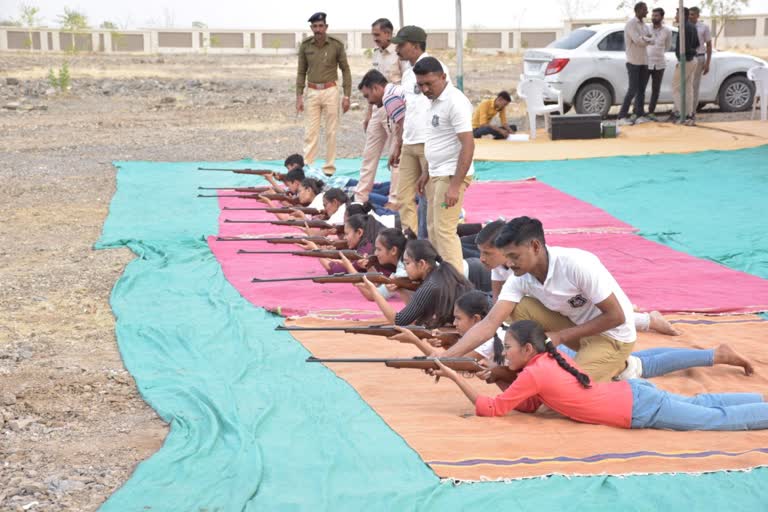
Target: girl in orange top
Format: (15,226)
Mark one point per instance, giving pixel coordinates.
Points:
(546,376)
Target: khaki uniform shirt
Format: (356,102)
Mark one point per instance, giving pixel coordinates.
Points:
(318,64)
(388,63)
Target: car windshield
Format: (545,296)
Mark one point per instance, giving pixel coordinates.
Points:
(572,40)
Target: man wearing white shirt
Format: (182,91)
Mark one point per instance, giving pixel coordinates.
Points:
(411,46)
(660,45)
(569,292)
(637,37)
(449,149)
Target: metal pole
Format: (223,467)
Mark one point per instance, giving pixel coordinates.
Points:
(400,7)
(681,51)
(459,49)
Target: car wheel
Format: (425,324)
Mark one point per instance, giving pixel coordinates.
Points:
(736,94)
(593,99)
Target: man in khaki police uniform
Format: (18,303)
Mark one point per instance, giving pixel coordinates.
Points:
(319,58)
(376,124)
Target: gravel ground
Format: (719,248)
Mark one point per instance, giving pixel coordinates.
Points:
(72,425)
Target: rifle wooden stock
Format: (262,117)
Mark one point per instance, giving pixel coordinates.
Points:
(459,364)
(449,335)
(314,253)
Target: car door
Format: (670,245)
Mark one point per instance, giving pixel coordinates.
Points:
(611,61)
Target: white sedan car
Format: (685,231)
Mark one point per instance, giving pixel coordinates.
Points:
(589,67)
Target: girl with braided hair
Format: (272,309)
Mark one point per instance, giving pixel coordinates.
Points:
(546,376)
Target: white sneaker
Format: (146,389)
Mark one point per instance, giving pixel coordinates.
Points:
(641,120)
(634,369)
(625,121)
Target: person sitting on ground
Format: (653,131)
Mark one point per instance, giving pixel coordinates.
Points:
(569,291)
(432,304)
(545,376)
(493,259)
(486,111)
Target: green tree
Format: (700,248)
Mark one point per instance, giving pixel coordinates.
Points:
(29,19)
(74,22)
(199,24)
(10,23)
(721,12)
(108,25)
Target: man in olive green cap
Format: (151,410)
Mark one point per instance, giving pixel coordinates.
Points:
(319,58)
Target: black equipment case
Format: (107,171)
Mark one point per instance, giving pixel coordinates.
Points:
(585,126)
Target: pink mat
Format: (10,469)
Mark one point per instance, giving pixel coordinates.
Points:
(654,276)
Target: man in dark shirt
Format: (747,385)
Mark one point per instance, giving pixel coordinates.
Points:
(691,43)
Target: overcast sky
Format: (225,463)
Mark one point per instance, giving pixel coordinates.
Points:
(292,14)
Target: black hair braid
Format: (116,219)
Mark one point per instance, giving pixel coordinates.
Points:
(583,378)
(498,350)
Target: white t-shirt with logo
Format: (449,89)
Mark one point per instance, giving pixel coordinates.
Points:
(449,114)
(576,281)
(416,106)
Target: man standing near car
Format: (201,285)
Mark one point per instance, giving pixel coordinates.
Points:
(376,125)
(703,54)
(691,44)
(637,36)
(660,45)
(319,58)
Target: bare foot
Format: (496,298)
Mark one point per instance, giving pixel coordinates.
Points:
(662,325)
(724,354)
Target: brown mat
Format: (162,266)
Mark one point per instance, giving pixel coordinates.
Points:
(643,139)
(438,422)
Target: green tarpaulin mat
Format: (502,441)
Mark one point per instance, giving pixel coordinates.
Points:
(254,427)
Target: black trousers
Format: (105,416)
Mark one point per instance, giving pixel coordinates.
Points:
(638,81)
(656,76)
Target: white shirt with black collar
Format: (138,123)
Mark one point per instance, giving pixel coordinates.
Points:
(576,281)
(449,115)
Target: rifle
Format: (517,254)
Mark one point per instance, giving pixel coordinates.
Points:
(447,337)
(241,196)
(320,240)
(299,223)
(255,172)
(374,277)
(238,189)
(285,209)
(459,364)
(281,197)
(350,254)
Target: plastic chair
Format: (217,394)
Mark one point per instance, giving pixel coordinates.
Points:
(759,75)
(533,91)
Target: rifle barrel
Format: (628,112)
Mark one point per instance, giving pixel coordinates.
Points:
(243,251)
(243,196)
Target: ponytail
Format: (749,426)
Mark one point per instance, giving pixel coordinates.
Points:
(528,331)
(449,283)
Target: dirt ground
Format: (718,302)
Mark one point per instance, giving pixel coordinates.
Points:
(72,425)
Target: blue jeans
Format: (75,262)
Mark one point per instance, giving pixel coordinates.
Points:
(654,408)
(421,212)
(661,361)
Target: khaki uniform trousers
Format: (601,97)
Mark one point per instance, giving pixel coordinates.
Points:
(600,357)
(443,221)
(412,164)
(700,62)
(377,138)
(321,104)
(690,72)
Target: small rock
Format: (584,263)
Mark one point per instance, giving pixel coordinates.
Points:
(354,106)
(59,485)
(31,487)
(8,398)
(13,105)
(40,107)
(11,81)
(20,424)
(30,505)
(50,91)
(168,99)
